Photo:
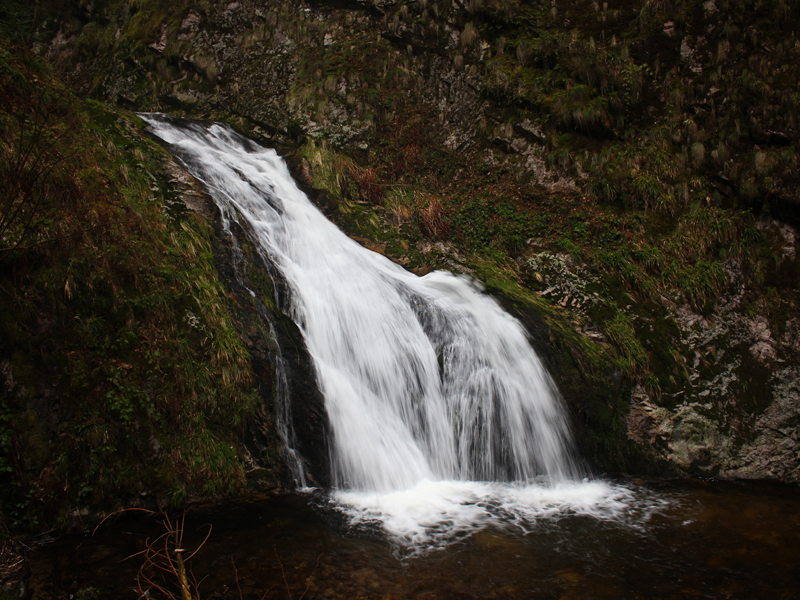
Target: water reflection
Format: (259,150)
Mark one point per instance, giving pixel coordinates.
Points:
(708,539)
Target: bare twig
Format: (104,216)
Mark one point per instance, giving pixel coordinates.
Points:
(286,583)
(308,583)
(165,555)
(203,543)
(236,574)
(264,595)
(119,512)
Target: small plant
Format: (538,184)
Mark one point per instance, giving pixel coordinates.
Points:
(469,36)
(523,53)
(431,223)
(698,153)
(165,565)
(166,573)
(632,358)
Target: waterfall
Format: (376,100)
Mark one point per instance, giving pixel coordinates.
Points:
(425,379)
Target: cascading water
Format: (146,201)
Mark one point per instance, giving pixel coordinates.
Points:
(430,387)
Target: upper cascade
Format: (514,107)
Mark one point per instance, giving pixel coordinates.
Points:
(424,378)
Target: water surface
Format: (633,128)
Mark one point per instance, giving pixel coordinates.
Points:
(672,539)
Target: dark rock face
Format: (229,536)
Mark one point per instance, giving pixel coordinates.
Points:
(292,421)
(596,396)
(287,381)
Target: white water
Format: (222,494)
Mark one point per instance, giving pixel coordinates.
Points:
(434,514)
(432,390)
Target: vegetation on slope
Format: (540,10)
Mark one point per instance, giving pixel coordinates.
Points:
(662,138)
(122,377)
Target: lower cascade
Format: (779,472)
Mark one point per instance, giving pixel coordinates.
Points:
(442,415)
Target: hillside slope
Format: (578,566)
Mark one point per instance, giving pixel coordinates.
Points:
(622,174)
(125,379)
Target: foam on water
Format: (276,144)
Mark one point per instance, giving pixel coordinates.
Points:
(434,514)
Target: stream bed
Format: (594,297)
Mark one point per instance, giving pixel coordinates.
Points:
(684,538)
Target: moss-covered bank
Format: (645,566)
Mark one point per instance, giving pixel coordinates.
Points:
(124,380)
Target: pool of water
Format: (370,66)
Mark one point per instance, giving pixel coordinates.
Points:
(667,539)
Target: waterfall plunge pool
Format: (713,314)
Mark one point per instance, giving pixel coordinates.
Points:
(660,539)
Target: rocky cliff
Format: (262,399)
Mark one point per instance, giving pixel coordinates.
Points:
(623,175)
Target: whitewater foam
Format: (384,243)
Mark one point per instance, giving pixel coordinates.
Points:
(435,514)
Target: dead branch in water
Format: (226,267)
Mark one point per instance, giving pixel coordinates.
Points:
(165,565)
(286,583)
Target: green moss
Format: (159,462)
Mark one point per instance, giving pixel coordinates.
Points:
(130,376)
(633,359)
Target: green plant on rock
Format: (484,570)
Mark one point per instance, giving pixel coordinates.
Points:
(632,358)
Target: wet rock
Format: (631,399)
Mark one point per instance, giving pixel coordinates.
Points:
(689,57)
(161,44)
(551,180)
(7,374)
(791,336)
(292,402)
(782,237)
(189,27)
(737,393)
(533,129)
(774,451)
